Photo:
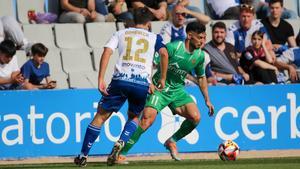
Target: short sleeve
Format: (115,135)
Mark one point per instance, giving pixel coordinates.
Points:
(171,47)
(113,42)
(26,70)
(159,43)
(47,69)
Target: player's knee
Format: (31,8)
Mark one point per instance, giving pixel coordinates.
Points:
(196,118)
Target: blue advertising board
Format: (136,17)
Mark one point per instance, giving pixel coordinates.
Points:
(53,122)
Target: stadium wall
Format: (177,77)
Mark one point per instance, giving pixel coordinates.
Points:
(53,122)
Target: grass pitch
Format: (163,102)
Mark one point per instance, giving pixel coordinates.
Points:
(268,163)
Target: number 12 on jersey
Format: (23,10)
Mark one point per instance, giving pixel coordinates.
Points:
(143,49)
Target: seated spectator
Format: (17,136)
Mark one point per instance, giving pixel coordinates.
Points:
(116,7)
(185,3)
(10,76)
(157,7)
(175,29)
(228,9)
(80,11)
(36,70)
(222,55)
(263,10)
(239,34)
(258,61)
(11,29)
(280,32)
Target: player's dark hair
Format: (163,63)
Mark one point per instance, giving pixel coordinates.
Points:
(275,1)
(8,47)
(39,49)
(142,15)
(219,25)
(195,27)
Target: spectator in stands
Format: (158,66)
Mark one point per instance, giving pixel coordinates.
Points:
(157,7)
(223,61)
(263,10)
(116,7)
(228,9)
(10,76)
(175,29)
(258,61)
(279,31)
(239,34)
(11,29)
(185,3)
(81,11)
(36,70)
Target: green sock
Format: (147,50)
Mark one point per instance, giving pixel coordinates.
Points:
(133,139)
(186,127)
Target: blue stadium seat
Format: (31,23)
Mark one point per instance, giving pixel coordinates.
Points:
(7,8)
(24,6)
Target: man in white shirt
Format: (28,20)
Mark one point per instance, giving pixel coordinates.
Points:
(10,77)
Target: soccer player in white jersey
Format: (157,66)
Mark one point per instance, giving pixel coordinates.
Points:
(130,81)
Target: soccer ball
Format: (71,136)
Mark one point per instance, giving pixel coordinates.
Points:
(228,150)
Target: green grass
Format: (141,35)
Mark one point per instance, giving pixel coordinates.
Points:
(269,163)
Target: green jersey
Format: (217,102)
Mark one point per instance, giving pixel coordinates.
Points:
(181,62)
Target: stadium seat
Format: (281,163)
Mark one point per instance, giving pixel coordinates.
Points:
(291,4)
(42,33)
(99,33)
(21,57)
(7,8)
(81,75)
(53,58)
(296,25)
(24,6)
(157,25)
(70,36)
(111,65)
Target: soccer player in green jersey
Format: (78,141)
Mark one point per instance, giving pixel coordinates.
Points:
(183,58)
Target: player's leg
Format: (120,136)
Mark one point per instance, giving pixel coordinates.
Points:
(137,95)
(108,104)
(184,106)
(155,103)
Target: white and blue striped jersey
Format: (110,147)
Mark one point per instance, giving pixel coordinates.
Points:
(241,38)
(136,49)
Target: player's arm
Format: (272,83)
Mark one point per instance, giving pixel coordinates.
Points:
(164,60)
(109,48)
(202,81)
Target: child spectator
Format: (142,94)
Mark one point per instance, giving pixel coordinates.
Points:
(258,61)
(10,77)
(36,70)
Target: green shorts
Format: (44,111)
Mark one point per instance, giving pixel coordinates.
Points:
(172,98)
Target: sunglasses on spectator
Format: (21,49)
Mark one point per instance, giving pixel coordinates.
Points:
(246,6)
(182,14)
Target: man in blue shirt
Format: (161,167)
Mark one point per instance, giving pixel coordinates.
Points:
(36,70)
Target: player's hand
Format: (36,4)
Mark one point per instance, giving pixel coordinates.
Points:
(161,84)
(102,88)
(151,89)
(211,109)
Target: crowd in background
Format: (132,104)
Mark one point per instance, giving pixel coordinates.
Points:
(249,51)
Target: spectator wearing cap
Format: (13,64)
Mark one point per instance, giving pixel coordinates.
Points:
(10,77)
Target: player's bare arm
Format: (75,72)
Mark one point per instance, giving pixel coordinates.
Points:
(204,90)
(164,67)
(102,69)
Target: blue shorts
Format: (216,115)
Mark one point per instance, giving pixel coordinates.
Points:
(119,91)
